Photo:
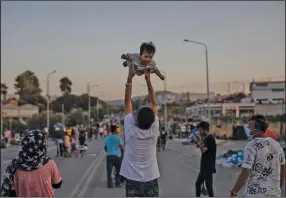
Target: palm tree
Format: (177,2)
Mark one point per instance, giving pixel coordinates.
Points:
(65,85)
(4,89)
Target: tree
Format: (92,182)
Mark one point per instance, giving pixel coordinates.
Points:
(76,118)
(4,89)
(69,102)
(65,85)
(27,83)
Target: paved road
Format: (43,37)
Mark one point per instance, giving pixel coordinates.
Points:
(179,166)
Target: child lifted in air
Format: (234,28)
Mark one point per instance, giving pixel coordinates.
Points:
(143,61)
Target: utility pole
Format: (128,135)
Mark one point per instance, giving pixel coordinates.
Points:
(48,98)
(97,114)
(89,110)
(243,88)
(165,103)
(63,112)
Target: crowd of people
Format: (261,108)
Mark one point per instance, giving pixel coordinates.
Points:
(73,140)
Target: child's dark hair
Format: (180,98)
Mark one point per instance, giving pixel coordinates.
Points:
(147,47)
(204,125)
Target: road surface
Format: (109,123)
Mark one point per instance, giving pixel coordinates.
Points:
(179,166)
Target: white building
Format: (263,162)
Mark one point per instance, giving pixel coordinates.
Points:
(218,109)
(268,92)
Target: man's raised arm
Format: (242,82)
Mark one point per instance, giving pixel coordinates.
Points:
(151,92)
(128,92)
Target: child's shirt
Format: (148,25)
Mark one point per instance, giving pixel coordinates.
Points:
(136,62)
(72,140)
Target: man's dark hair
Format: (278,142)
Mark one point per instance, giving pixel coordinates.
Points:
(258,117)
(147,47)
(260,122)
(204,125)
(145,118)
(113,128)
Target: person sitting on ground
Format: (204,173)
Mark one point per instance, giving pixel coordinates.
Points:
(32,173)
(139,165)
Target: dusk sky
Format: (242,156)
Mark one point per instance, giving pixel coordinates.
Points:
(84,41)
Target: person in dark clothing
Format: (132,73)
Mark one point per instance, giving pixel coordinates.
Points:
(95,131)
(163,137)
(89,133)
(81,140)
(207,168)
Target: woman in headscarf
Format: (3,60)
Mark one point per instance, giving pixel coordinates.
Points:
(32,173)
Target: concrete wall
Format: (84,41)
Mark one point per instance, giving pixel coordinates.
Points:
(269,109)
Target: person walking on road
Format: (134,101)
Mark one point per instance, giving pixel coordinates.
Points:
(32,173)
(163,137)
(139,165)
(207,168)
(263,167)
(113,145)
(101,130)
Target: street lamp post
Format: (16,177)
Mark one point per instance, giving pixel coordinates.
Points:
(165,101)
(89,105)
(207,71)
(48,98)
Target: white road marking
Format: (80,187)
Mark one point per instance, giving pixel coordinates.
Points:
(87,183)
(87,172)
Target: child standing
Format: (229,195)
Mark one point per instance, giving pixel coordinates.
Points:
(143,61)
(66,145)
(73,144)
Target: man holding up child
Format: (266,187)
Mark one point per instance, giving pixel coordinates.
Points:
(139,165)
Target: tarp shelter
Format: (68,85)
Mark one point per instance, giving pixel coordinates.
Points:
(238,133)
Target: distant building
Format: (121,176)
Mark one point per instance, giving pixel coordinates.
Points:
(24,111)
(221,109)
(268,92)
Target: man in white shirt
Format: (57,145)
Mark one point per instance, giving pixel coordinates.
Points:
(139,165)
(263,167)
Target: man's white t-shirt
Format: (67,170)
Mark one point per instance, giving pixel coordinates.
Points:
(140,160)
(263,156)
